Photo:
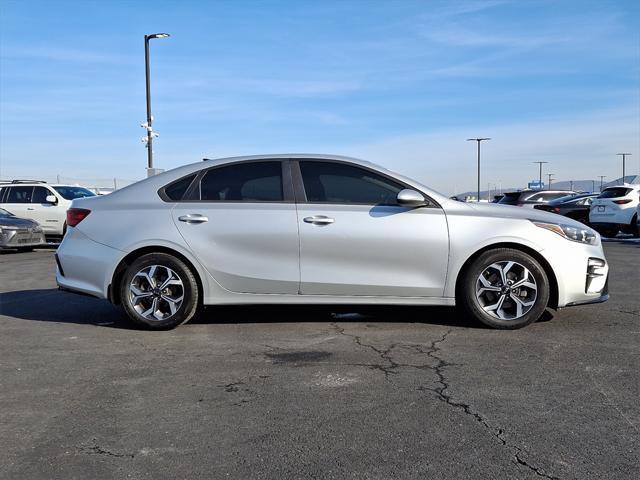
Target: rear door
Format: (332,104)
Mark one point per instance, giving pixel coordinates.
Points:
(240,221)
(356,240)
(18,201)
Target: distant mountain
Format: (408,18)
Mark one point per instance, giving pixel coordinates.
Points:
(576,185)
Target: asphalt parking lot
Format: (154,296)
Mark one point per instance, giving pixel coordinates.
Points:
(310,393)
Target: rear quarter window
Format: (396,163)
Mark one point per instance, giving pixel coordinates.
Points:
(176,190)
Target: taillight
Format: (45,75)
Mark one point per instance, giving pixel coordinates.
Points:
(555,210)
(76,215)
(622,202)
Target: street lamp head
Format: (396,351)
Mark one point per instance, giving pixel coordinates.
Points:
(477,139)
(157,35)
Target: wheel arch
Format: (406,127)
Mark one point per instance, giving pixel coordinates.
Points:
(553,281)
(113,293)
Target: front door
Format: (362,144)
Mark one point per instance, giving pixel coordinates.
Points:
(240,222)
(356,240)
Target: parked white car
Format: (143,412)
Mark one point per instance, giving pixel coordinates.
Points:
(44,203)
(616,209)
(320,229)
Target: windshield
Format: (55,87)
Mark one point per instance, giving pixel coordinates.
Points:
(4,213)
(71,193)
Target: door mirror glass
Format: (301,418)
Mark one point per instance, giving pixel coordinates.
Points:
(411,198)
(51,199)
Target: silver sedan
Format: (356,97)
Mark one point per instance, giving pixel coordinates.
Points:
(323,229)
(19,233)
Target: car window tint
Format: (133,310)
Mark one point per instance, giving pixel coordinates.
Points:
(510,198)
(19,195)
(71,193)
(245,182)
(176,190)
(329,182)
(39,195)
(545,196)
(614,192)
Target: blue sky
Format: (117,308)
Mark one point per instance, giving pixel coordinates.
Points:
(401,83)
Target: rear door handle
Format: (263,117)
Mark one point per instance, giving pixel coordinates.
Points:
(319,220)
(30,208)
(193,218)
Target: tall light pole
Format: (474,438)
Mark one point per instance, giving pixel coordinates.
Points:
(549,175)
(478,140)
(540,174)
(601,177)
(148,125)
(624,157)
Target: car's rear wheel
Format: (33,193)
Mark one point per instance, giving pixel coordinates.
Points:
(159,291)
(504,288)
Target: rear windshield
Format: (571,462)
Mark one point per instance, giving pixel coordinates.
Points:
(510,198)
(71,193)
(544,196)
(614,192)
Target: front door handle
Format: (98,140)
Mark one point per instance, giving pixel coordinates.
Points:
(319,220)
(193,218)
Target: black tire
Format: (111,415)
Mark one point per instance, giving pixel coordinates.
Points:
(634,227)
(189,289)
(608,232)
(471,304)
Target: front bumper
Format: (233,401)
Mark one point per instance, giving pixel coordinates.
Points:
(581,272)
(21,238)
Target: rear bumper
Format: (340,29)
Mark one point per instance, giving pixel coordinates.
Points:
(83,265)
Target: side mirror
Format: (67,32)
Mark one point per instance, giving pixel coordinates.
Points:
(51,199)
(411,198)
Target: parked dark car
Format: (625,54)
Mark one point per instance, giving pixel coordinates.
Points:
(572,206)
(529,198)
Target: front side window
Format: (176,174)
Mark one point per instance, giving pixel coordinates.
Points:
(40,195)
(243,182)
(330,182)
(19,195)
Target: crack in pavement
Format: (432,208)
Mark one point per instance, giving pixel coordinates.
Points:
(441,391)
(95,449)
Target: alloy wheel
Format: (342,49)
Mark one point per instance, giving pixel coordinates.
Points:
(506,290)
(156,292)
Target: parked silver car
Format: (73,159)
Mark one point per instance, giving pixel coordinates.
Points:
(19,233)
(320,229)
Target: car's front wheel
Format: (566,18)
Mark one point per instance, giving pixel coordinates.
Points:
(504,288)
(159,291)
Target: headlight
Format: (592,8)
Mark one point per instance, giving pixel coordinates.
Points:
(575,234)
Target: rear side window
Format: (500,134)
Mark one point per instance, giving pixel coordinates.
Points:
(176,190)
(329,182)
(19,194)
(614,192)
(243,182)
